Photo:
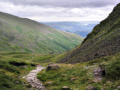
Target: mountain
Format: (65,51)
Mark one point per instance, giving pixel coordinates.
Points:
(25,35)
(80,28)
(104,40)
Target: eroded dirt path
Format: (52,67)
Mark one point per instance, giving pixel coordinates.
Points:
(32,78)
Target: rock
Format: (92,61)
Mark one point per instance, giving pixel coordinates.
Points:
(73,78)
(90,81)
(24,66)
(99,73)
(109,82)
(63,75)
(52,67)
(118,87)
(48,83)
(65,88)
(97,79)
(91,88)
(17,82)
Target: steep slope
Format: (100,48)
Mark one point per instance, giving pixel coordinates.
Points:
(19,34)
(104,40)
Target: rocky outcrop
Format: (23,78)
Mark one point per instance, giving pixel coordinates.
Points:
(99,73)
(52,67)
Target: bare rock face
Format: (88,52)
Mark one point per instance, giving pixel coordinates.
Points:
(99,73)
(52,67)
(65,88)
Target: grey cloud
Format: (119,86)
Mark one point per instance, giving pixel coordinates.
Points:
(65,3)
(58,10)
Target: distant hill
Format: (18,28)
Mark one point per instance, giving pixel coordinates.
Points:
(80,28)
(21,34)
(104,40)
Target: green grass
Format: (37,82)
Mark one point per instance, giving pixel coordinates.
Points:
(63,77)
(11,74)
(24,35)
(83,75)
(112,69)
(15,65)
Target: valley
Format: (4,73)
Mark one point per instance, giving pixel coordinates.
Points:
(34,56)
(79,28)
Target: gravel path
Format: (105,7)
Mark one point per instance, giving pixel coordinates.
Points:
(32,78)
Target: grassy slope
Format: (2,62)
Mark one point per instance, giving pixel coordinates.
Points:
(11,75)
(83,75)
(18,34)
(102,41)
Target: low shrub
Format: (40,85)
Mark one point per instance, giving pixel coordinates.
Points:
(7,66)
(18,63)
(113,70)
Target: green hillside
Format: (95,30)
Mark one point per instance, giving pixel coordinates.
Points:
(15,65)
(104,40)
(25,35)
(81,76)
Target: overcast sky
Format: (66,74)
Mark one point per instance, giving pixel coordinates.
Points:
(59,10)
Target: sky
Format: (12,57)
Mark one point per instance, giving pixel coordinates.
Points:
(59,10)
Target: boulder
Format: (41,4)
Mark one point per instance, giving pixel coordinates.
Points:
(65,88)
(52,67)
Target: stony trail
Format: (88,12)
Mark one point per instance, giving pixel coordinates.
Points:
(32,78)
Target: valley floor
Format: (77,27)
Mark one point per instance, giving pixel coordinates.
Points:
(81,76)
